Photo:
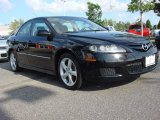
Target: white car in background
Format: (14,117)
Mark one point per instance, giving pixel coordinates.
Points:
(3,49)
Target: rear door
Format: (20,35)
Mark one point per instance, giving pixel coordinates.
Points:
(40,48)
(20,42)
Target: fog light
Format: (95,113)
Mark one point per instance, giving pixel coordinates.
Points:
(107,71)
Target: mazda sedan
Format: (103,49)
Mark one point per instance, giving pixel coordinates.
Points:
(78,50)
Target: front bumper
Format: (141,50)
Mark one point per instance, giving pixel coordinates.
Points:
(118,65)
(3,55)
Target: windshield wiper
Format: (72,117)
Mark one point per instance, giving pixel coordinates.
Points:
(83,31)
(99,30)
(90,30)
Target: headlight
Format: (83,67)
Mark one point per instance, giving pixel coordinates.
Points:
(107,48)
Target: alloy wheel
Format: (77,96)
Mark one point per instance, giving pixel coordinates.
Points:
(13,61)
(68,71)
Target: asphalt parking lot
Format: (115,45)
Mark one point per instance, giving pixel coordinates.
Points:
(31,95)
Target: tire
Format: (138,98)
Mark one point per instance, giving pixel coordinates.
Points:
(13,62)
(69,72)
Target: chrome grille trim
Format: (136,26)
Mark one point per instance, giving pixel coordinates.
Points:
(138,46)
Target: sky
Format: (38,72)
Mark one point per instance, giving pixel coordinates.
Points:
(27,9)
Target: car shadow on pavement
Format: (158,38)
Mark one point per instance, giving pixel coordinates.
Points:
(27,93)
(40,77)
(101,85)
(53,80)
(34,75)
(4,115)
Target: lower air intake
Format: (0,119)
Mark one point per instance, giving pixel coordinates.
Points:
(107,72)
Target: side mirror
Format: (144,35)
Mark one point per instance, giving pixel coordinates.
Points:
(43,33)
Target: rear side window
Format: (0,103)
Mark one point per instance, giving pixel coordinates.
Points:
(25,29)
(136,27)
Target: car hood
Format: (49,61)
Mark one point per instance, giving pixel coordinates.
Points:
(101,37)
(3,42)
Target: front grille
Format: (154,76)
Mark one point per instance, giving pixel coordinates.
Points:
(2,48)
(138,46)
(107,71)
(4,55)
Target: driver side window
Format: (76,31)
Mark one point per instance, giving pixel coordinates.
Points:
(39,26)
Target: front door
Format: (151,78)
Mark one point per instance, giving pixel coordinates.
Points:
(40,48)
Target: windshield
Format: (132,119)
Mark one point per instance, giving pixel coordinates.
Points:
(69,24)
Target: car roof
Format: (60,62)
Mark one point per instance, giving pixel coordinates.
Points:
(136,24)
(56,17)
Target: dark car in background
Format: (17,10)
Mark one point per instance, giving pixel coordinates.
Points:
(77,50)
(136,29)
(157,38)
(157,41)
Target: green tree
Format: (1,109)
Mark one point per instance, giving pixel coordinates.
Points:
(142,7)
(157,8)
(15,24)
(138,22)
(94,13)
(148,24)
(158,26)
(154,27)
(127,25)
(109,22)
(119,26)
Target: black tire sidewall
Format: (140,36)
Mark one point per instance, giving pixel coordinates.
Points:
(78,83)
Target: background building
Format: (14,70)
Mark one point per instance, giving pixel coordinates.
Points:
(4,30)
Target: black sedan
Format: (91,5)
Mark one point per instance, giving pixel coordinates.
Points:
(78,50)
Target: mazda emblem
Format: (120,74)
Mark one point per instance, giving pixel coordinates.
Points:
(145,47)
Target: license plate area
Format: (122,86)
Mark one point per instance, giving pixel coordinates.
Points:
(150,60)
